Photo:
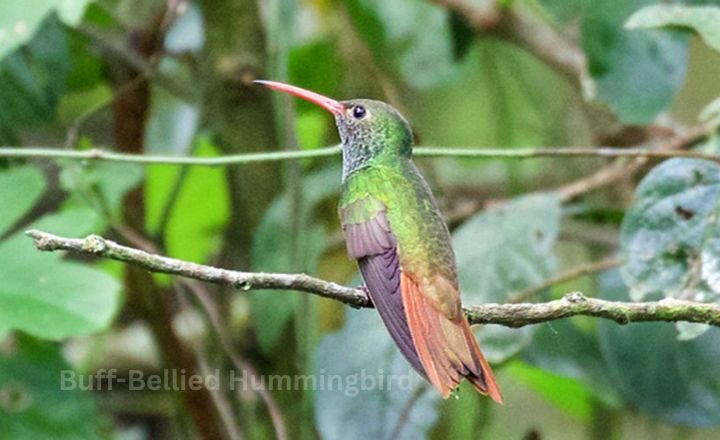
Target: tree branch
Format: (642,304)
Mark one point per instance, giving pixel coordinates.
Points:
(509,315)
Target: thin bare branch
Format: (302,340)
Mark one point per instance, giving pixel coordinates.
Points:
(618,171)
(276,156)
(509,315)
(571,274)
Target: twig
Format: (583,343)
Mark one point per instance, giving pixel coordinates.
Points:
(404,416)
(576,272)
(276,156)
(618,171)
(220,400)
(241,364)
(509,315)
(169,205)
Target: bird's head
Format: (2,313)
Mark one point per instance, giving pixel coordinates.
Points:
(370,131)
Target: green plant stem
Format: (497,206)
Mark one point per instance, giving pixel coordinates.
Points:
(277,156)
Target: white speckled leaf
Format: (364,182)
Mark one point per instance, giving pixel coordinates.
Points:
(670,237)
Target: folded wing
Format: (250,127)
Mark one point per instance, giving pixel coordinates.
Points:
(423,316)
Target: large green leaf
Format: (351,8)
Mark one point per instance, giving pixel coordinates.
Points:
(272,252)
(701,19)
(672,380)
(202,207)
(505,250)
(636,73)
(569,395)
(42,294)
(20,188)
(18,20)
(410,38)
(570,359)
(670,238)
(366,384)
(48,297)
(35,401)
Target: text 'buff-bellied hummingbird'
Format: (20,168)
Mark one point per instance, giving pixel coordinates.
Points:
(394,230)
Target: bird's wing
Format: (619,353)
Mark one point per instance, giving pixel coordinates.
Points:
(370,241)
(423,316)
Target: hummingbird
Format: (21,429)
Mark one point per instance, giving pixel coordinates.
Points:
(394,230)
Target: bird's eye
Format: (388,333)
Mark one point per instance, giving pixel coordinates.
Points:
(359,112)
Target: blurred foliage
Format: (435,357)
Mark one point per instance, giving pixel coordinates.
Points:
(46,296)
(657,373)
(522,231)
(373,383)
(636,73)
(649,62)
(41,397)
(700,19)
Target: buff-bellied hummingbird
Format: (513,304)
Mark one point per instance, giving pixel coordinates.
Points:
(395,231)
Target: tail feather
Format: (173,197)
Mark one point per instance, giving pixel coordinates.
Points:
(445,344)
(482,379)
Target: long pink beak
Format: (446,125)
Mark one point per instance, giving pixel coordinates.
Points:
(328,104)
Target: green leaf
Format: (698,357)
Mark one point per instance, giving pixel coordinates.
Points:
(33,78)
(636,73)
(564,349)
(504,250)
(569,395)
(367,384)
(701,19)
(272,252)
(18,20)
(325,76)
(51,298)
(20,189)
(409,38)
(36,403)
(674,381)
(202,208)
(670,239)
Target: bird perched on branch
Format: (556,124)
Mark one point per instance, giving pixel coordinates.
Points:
(394,230)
